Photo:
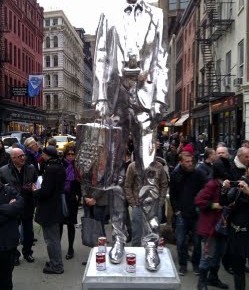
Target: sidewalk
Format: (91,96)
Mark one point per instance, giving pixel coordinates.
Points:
(30,277)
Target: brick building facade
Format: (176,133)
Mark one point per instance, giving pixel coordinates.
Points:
(21,38)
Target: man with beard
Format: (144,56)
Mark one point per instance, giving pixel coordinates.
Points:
(185,182)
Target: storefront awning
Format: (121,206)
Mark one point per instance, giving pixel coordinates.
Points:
(173,121)
(182,120)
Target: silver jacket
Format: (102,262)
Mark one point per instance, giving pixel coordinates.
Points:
(130,40)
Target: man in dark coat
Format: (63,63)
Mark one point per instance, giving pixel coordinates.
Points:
(11,206)
(185,183)
(49,208)
(21,176)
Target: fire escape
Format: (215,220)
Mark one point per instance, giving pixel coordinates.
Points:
(3,52)
(216,23)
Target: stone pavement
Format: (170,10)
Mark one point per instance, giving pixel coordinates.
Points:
(30,277)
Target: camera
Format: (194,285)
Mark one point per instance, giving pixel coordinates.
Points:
(234,183)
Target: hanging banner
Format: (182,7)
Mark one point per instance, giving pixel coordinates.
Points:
(34,85)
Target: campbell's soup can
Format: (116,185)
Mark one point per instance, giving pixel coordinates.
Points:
(100,261)
(161,244)
(131,263)
(102,244)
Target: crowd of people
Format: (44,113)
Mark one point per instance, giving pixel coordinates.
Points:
(209,197)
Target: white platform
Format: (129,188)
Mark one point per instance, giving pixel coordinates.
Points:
(116,277)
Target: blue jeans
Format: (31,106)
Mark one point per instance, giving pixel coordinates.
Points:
(184,227)
(96,212)
(212,252)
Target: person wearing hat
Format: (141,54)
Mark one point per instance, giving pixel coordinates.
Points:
(49,208)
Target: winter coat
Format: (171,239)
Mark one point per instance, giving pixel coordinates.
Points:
(49,209)
(184,186)
(9,175)
(132,188)
(9,213)
(208,217)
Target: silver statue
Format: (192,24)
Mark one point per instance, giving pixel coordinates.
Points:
(129,87)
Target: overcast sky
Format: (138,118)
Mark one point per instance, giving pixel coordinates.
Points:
(81,13)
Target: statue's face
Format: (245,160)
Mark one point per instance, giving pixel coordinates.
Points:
(131,1)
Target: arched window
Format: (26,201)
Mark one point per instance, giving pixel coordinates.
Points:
(56,102)
(48,102)
(55,80)
(55,41)
(47,42)
(55,60)
(47,81)
(47,60)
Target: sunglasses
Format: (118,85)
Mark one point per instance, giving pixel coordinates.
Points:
(70,154)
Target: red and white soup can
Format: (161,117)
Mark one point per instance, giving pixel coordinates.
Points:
(131,263)
(100,261)
(161,244)
(102,244)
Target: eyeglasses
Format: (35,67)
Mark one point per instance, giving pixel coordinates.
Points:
(19,156)
(70,154)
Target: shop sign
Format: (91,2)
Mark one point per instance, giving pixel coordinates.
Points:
(225,103)
(19,91)
(27,117)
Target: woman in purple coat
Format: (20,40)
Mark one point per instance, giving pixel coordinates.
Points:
(213,243)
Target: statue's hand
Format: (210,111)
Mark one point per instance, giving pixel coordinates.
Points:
(102,108)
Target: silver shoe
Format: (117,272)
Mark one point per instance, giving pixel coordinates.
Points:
(117,251)
(152,260)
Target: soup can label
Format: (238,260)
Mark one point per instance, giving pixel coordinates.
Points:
(100,261)
(102,244)
(131,263)
(161,244)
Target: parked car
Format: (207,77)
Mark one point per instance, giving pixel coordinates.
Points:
(21,136)
(8,141)
(63,140)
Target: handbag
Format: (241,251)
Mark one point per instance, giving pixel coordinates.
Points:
(98,153)
(90,232)
(65,210)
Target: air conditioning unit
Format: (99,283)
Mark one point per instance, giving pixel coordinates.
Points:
(237,82)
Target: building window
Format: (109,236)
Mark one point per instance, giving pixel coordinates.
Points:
(228,68)
(10,53)
(47,22)
(55,21)
(15,56)
(241,59)
(19,28)
(56,102)
(47,61)
(47,81)
(6,49)
(55,80)
(55,60)
(10,20)
(14,24)
(47,42)
(48,102)
(19,58)
(55,41)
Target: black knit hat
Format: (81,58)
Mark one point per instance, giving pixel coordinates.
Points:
(50,151)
